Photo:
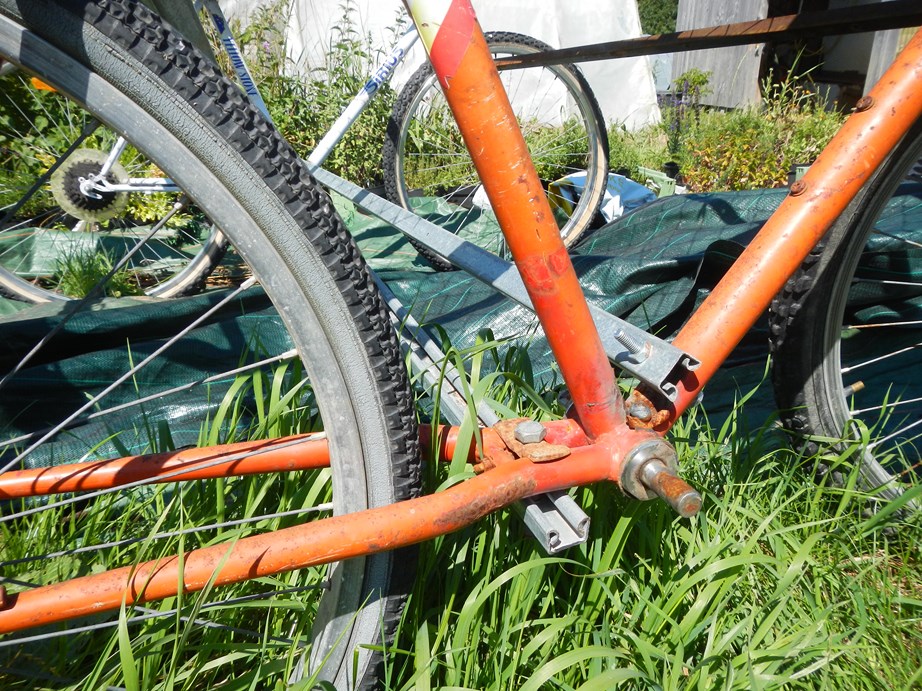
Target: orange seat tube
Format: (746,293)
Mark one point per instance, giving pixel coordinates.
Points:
(474,92)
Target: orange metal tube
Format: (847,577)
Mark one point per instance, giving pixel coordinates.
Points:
(487,122)
(310,544)
(274,456)
(262,457)
(747,289)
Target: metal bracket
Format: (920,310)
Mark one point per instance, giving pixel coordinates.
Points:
(555,519)
(648,358)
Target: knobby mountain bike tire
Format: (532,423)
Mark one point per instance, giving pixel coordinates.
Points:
(428,170)
(119,63)
(845,333)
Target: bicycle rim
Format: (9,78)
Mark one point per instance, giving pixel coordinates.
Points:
(56,238)
(433,174)
(241,361)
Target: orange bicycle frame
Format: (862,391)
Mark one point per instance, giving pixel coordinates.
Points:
(598,444)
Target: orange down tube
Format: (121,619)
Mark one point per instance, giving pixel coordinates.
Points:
(487,122)
(746,291)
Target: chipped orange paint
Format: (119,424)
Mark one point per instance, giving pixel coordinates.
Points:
(311,544)
(287,454)
(190,464)
(491,133)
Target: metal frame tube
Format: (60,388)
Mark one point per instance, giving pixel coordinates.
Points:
(310,544)
(475,94)
(746,290)
(246,458)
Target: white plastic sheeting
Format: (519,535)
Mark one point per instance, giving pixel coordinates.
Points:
(624,88)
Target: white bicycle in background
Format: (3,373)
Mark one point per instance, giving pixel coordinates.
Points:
(78,203)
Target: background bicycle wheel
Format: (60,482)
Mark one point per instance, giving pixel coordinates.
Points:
(428,170)
(57,240)
(846,336)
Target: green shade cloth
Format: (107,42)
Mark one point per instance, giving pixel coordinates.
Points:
(651,267)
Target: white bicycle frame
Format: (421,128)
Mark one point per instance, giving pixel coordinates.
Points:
(382,75)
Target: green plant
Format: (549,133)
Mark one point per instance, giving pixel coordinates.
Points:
(184,641)
(81,270)
(755,147)
(683,104)
(630,150)
(304,108)
(658,16)
(37,126)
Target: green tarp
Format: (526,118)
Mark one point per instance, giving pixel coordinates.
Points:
(651,267)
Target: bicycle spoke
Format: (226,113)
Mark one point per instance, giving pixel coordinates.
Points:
(159,395)
(97,289)
(901,238)
(123,378)
(881,325)
(900,432)
(90,127)
(150,615)
(882,282)
(887,406)
(320,508)
(881,358)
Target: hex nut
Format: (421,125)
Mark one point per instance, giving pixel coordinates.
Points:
(530,432)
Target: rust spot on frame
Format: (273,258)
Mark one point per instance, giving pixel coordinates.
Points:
(542,271)
(498,497)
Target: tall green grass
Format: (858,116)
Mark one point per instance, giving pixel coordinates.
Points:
(244,636)
(777,583)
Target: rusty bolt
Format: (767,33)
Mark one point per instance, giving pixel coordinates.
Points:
(864,104)
(640,411)
(660,480)
(650,470)
(798,188)
(530,432)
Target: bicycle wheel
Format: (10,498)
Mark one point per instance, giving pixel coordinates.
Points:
(85,398)
(59,231)
(845,331)
(428,170)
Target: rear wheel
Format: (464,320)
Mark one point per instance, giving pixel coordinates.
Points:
(81,383)
(60,230)
(847,330)
(428,170)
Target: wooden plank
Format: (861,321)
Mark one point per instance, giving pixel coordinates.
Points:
(734,70)
(862,19)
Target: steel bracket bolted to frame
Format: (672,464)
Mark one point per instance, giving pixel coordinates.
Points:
(653,361)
